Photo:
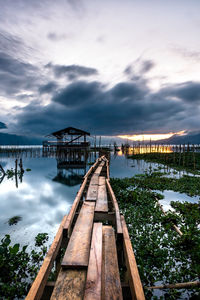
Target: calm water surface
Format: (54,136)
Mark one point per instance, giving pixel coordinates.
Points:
(46,194)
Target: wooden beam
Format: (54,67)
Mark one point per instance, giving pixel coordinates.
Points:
(77,253)
(93,282)
(69,220)
(70,284)
(92,191)
(107,170)
(102,199)
(111,285)
(40,281)
(183,285)
(133,274)
(116,207)
(91,168)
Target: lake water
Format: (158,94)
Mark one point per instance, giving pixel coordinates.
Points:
(46,194)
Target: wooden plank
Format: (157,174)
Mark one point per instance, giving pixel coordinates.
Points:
(116,207)
(107,170)
(111,285)
(94,179)
(99,168)
(69,220)
(93,188)
(102,199)
(69,285)
(93,282)
(39,283)
(133,274)
(91,168)
(77,253)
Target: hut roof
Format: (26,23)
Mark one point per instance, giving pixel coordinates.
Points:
(69,131)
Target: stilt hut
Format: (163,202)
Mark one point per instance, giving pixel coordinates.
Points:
(69,137)
(69,146)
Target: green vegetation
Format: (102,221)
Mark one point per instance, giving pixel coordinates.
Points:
(18,267)
(189,161)
(189,185)
(161,254)
(14,220)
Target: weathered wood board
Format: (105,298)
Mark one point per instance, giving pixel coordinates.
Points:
(70,217)
(77,253)
(93,188)
(93,282)
(70,284)
(134,277)
(38,285)
(102,199)
(111,285)
(116,207)
(99,168)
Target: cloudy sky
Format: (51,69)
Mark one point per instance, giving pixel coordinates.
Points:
(110,67)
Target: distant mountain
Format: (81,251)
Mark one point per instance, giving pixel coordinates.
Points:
(182,139)
(13,139)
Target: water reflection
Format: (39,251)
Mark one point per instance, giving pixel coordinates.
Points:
(175,196)
(48,191)
(69,172)
(40,201)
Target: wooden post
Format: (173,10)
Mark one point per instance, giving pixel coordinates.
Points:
(2,170)
(193,157)
(99,142)
(16,179)
(183,155)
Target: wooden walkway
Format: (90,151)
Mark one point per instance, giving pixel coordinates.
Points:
(91,255)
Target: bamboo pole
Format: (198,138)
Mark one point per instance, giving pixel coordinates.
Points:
(175,285)
(164,213)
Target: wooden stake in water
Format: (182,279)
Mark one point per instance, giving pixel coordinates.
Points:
(16,180)
(193,158)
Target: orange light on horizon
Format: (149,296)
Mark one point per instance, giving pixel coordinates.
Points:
(152,137)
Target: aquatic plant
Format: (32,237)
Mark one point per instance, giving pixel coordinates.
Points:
(161,254)
(18,267)
(14,220)
(189,161)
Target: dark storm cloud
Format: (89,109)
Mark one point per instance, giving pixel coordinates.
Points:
(72,71)
(124,108)
(2,125)
(16,75)
(187,91)
(48,88)
(127,90)
(79,93)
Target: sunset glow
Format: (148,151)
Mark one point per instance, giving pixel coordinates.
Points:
(152,137)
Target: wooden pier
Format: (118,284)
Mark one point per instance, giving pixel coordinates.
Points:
(91,255)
